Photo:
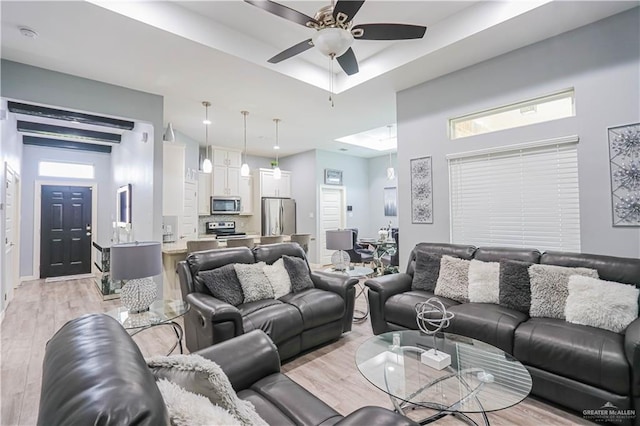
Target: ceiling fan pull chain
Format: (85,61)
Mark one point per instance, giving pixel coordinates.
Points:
(331,81)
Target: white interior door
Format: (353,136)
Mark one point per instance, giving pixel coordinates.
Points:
(189,218)
(10,279)
(332,216)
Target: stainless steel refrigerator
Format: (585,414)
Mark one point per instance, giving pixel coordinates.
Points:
(278,216)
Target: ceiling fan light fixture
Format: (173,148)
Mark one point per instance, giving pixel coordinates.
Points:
(332,41)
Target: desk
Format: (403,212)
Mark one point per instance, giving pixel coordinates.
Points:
(161,312)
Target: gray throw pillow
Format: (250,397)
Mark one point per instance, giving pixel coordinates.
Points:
(255,284)
(453,281)
(298,273)
(515,288)
(223,284)
(426,271)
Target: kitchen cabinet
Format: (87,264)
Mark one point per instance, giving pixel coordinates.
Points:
(271,187)
(226,173)
(204,194)
(246,195)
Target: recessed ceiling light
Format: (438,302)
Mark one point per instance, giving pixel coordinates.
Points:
(28,32)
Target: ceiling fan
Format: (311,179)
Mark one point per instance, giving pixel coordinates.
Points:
(335,31)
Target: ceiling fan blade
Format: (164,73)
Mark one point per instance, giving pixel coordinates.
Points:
(390,31)
(348,62)
(282,11)
(292,51)
(348,7)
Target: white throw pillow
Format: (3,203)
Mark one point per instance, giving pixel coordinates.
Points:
(484,282)
(453,281)
(602,304)
(190,409)
(255,285)
(279,278)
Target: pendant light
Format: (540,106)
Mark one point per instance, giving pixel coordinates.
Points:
(391,173)
(207,167)
(244,170)
(277,174)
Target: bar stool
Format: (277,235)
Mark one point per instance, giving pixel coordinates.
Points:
(199,245)
(303,240)
(241,242)
(270,239)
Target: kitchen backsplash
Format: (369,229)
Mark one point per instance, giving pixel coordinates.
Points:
(242,222)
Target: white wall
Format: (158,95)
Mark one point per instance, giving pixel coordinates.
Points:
(601,61)
(377,182)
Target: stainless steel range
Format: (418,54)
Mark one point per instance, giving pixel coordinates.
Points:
(223,229)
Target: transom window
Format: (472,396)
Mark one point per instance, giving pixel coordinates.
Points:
(66,170)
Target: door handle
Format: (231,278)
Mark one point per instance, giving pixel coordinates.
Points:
(89,234)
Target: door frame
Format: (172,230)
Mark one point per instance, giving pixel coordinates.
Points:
(15,268)
(37,219)
(343,216)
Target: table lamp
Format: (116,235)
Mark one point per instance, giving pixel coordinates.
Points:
(340,240)
(136,263)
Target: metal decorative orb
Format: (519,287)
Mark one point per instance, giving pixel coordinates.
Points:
(432,313)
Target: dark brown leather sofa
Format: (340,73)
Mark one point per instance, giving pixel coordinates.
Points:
(94,374)
(295,322)
(576,366)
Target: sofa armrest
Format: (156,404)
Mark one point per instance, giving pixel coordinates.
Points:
(377,416)
(259,358)
(632,350)
(342,286)
(380,289)
(212,310)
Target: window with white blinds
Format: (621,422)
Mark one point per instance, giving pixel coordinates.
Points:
(517,196)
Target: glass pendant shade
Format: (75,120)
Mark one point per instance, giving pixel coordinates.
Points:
(207,167)
(332,41)
(277,174)
(391,173)
(244,170)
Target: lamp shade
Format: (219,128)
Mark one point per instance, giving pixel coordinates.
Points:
(131,261)
(341,239)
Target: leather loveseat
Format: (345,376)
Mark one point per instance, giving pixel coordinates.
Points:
(94,374)
(295,322)
(576,366)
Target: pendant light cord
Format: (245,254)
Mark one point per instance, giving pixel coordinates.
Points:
(244,113)
(332,56)
(277,140)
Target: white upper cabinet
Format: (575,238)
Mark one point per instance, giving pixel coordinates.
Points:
(229,158)
(246,194)
(226,172)
(271,187)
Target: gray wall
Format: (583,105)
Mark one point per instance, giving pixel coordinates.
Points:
(32,155)
(377,182)
(601,61)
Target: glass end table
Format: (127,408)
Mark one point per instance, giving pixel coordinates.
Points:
(357,272)
(161,312)
(481,377)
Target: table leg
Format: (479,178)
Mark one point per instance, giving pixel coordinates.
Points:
(359,315)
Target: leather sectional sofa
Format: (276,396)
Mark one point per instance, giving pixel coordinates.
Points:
(295,322)
(94,374)
(576,366)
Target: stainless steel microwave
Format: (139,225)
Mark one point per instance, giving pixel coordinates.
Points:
(225,205)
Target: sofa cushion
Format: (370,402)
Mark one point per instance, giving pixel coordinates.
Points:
(453,280)
(603,304)
(188,409)
(223,284)
(586,354)
(202,376)
(493,324)
(278,278)
(427,269)
(484,279)
(400,308)
(298,271)
(280,321)
(515,286)
(549,288)
(281,401)
(255,285)
(317,307)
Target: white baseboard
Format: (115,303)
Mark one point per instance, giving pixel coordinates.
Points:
(28,278)
(68,277)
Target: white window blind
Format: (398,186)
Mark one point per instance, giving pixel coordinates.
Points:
(519,196)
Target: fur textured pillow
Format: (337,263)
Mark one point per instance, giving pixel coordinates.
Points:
(298,273)
(515,287)
(204,377)
(549,289)
(427,269)
(453,280)
(254,282)
(602,304)
(279,278)
(190,409)
(223,284)
(484,282)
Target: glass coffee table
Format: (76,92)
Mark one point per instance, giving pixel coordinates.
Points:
(161,312)
(481,377)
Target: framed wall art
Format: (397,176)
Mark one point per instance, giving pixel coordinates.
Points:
(390,201)
(624,160)
(421,190)
(332,177)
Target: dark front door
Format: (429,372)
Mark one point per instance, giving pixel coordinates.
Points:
(65,231)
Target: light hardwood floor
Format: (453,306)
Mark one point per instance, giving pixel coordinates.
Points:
(39,309)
